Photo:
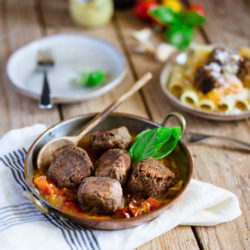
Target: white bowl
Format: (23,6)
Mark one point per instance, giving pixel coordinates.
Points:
(73,54)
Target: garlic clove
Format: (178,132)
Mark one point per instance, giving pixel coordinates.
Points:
(146,47)
(142,35)
(164,51)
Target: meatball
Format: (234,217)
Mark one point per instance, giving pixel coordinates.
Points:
(150,178)
(114,163)
(100,195)
(244,68)
(70,167)
(206,79)
(113,138)
(220,56)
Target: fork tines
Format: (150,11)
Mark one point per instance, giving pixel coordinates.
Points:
(45,57)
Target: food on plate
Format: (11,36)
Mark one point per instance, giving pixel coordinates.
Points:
(100,195)
(177,83)
(150,178)
(90,79)
(213,79)
(207,77)
(244,68)
(70,167)
(112,138)
(157,143)
(114,163)
(189,97)
(206,104)
(100,178)
(219,56)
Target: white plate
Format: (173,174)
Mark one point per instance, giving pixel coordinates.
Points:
(73,54)
(164,80)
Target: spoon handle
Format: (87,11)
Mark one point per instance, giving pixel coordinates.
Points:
(101,116)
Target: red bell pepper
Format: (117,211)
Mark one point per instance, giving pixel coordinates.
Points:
(153,203)
(134,210)
(43,185)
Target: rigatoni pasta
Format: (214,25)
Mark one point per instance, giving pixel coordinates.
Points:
(225,106)
(189,97)
(177,81)
(206,104)
(242,104)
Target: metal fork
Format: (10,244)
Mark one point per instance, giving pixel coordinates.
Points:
(190,137)
(45,62)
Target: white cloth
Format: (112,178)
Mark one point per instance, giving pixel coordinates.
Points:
(22,226)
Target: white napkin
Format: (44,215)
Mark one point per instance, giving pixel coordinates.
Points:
(22,226)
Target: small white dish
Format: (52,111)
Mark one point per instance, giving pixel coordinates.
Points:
(73,54)
(164,80)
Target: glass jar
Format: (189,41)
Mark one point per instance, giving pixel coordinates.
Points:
(91,13)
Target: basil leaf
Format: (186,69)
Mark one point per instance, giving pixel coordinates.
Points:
(90,79)
(95,78)
(148,142)
(179,35)
(165,15)
(170,145)
(131,150)
(193,19)
(82,78)
(157,143)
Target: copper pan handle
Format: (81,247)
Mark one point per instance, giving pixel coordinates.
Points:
(180,119)
(43,209)
(36,202)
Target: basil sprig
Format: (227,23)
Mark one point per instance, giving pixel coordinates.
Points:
(157,143)
(90,79)
(179,25)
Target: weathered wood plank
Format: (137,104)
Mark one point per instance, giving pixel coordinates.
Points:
(214,164)
(18,26)
(178,238)
(63,23)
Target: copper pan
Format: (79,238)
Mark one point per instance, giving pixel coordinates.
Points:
(135,124)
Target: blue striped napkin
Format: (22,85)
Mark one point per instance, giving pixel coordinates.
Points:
(22,226)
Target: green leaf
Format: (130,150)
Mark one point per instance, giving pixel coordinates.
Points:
(156,143)
(90,79)
(138,137)
(170,145)
(165,15)
(193,19)
(95,78)
(179,35)
(82,78)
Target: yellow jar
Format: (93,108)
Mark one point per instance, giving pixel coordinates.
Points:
(91,13)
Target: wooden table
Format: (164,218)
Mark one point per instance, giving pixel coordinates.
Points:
(228,23)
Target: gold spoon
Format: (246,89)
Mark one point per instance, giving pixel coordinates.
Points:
(52,148)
